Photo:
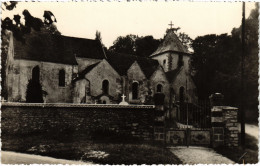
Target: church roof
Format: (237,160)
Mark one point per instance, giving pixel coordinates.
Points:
(171,43)
(42,46)
(122,62)
(171,75)
(87,70)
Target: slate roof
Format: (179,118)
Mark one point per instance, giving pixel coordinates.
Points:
(41,46)
(171,75)
(88,69)
(170,43)
(122,62)
(82,74)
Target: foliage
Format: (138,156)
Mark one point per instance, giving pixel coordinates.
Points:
(185,40)
(132,44)
(146,45)
(34,92)
(19,30)
(217,64)
(124,44)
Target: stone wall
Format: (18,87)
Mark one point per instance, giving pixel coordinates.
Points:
(21,73)
(79,119)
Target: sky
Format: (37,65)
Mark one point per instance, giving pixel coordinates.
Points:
(114,19)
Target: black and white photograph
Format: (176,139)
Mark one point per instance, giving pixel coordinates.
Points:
(129,82)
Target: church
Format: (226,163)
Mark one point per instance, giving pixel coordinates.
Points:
(77,70)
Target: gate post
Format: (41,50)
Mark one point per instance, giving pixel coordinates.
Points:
(216,101)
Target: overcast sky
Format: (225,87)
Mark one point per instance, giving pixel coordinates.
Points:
(113,19)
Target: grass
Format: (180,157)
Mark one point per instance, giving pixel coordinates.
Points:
(97,152)
(234,154)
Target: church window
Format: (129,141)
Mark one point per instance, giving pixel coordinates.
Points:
(159,88)
(180,60)
(135,90)
(105,86)
(62,78)
(181,94)
(36,73)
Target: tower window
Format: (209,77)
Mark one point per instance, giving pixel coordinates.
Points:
(105,86)
(159,88)
(180,60)
(62,78)
(164,61)
(135,90)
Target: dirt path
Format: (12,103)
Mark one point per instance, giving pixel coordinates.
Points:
(20,158)
(199,155)
(252,130)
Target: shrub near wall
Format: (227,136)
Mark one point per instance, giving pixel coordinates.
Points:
(87,122)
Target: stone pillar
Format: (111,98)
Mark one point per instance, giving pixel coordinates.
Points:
(217,126)
(224,123)
(230,116)
(216,101)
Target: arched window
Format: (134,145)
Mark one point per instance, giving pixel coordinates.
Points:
(159,88)
(105,86)
(181,94)
(62,78)
(135,90)
(36,74)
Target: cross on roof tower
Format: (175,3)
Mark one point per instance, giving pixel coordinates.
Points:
(171,24)
(174,29)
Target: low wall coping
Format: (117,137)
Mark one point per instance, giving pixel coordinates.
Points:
(16,104)
(220,108)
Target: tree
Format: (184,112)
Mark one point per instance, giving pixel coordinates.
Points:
(185,40)
(19,30)
(146,45)
(217,64)
(124,44)
(215,61)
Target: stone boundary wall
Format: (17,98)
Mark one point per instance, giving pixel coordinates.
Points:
(80,119)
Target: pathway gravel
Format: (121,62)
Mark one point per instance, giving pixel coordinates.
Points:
(199,155)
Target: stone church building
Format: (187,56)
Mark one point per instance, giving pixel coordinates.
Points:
(77,70)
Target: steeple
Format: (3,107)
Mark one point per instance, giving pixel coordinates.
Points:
(171,43)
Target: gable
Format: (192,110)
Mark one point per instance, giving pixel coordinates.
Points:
(159,75)
(135,72)
(103,68)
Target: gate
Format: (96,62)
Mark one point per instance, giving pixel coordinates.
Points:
(188,137)
(192,125)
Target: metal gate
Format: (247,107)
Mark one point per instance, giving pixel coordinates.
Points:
(192,125)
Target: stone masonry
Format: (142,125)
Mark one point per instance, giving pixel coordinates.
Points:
(224,123)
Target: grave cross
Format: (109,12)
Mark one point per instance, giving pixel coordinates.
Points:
(123,98)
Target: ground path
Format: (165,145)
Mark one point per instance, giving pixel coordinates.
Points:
(21,158)
(252,130)
(199,155)
(202,155)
